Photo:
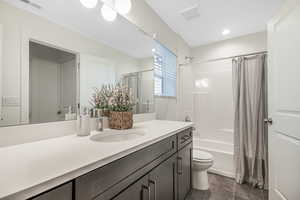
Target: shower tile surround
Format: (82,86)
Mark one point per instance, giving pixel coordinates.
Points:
(223,188)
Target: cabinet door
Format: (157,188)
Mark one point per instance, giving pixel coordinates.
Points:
(184,171)
(137,191)
(163,180)
(63,192)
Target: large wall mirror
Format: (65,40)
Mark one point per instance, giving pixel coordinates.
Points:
(51,61)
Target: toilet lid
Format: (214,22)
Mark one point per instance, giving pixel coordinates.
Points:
(202,155)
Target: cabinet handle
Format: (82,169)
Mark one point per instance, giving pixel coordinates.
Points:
(144,187)
(154,183)
(179,164)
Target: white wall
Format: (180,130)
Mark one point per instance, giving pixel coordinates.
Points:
(144,17)
(241,45)
(94,72)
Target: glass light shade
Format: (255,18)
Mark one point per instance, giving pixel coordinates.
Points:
(89,3)
(108,13)
(123,6)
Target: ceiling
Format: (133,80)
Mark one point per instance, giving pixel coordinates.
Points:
(241,17)
(89,22)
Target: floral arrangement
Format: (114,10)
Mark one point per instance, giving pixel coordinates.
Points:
(116,98)
(101,97)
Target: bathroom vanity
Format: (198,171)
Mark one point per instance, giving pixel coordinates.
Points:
(156,166)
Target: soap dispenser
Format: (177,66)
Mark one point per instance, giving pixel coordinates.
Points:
(83,123)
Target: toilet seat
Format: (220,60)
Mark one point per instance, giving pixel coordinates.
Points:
(202,156)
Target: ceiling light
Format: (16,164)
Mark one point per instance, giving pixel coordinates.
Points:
(123,6)
(226,32)
(89,3)
(108,13)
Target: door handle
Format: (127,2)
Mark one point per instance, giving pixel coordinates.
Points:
(179,165)
(154,184)
(268,121)
(144,187)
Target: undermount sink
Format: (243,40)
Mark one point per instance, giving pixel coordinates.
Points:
(109,135)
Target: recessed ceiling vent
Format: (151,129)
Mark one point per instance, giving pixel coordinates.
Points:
(190,13)
(32,4)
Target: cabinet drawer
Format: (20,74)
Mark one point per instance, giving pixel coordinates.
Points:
(63,192)
(100,180)
(185,137)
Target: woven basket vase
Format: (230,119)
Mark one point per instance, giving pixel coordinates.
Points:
(120,120)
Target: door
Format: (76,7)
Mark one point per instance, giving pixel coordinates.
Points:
(163,180)
(284,103)
(44,91)
(68,87)
(137,191)
(184,171)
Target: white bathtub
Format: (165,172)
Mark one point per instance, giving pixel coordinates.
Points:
(222,155)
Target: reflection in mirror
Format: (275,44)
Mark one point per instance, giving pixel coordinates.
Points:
(52,84)
(141,84)
(51,61)
(131,64)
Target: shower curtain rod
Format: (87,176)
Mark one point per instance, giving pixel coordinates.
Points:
(225,58)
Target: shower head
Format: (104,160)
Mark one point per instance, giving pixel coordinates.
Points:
(189,59)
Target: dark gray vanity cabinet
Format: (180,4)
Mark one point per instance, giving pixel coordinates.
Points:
(140,190)
(159,184)
(161,171)
(163,180)
(184,171)
(107,181)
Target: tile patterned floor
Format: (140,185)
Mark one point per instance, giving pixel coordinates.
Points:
(223,188)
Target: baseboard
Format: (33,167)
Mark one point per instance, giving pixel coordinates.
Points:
(220,172)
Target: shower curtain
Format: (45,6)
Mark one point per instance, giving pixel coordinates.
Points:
(250,131)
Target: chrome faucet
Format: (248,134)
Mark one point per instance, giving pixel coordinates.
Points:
(100,124)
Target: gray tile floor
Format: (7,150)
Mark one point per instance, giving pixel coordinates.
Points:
(223,188)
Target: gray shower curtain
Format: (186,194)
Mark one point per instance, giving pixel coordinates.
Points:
(250,132)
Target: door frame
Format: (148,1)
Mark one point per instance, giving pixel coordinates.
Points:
(26,38)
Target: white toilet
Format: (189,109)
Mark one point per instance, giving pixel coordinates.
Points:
(202,161)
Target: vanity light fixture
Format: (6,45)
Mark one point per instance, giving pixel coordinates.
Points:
(89,3)
(226,32)
(108,13)
(123,6)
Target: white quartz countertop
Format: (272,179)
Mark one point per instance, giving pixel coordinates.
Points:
(29,169)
